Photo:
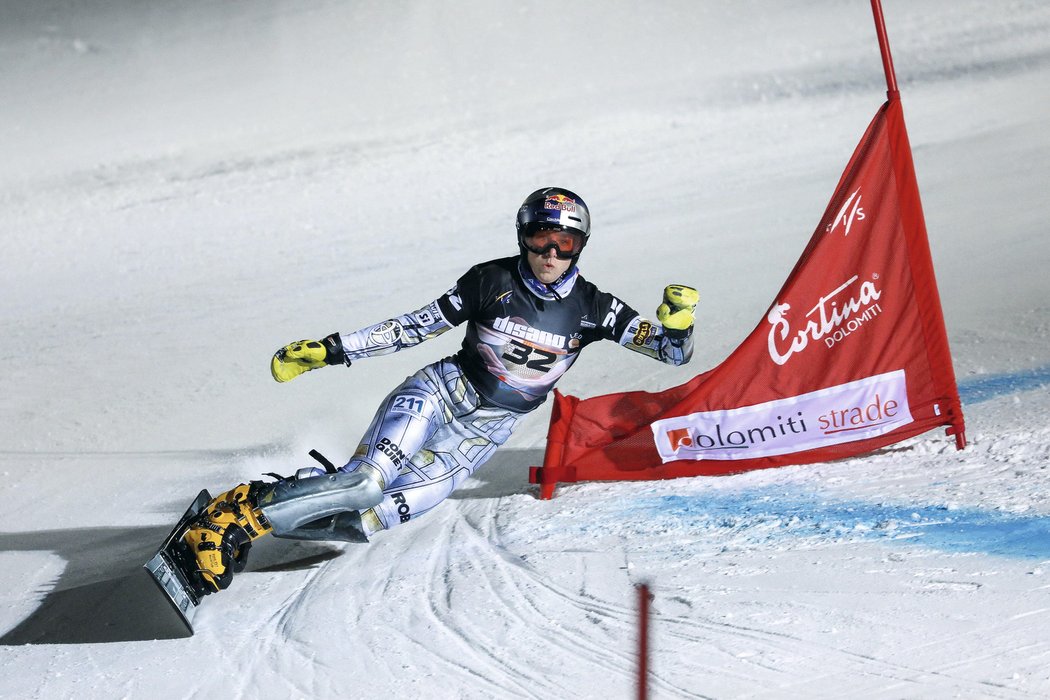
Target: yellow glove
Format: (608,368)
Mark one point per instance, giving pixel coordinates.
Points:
(676,312)
(304,355)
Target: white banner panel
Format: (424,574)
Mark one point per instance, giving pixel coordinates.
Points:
(857,410)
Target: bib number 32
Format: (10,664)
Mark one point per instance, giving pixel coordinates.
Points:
(532,358)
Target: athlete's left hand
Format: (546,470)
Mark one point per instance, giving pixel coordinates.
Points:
(678,307)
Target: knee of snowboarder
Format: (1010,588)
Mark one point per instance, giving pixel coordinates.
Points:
(292,503)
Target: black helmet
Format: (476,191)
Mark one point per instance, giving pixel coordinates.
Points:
(558,209)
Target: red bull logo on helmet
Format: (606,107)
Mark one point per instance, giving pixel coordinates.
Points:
(560,202)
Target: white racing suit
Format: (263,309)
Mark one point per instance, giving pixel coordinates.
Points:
(447,419)
(427,437)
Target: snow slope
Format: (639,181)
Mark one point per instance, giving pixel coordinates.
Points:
(184,187)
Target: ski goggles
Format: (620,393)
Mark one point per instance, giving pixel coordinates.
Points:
(566,243)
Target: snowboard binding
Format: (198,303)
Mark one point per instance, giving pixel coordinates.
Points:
(210,543)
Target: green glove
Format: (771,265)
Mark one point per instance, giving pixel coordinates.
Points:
(676,311)
(304,355)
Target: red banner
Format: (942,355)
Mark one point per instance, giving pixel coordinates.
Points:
(851,356)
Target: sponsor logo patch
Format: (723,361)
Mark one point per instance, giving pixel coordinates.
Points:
(517,328)
(385,334)
(644,334)
(560,202)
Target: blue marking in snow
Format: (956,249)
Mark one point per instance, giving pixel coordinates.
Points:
(984,388)
(762,517)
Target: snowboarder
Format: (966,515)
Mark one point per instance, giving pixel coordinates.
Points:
(528,317)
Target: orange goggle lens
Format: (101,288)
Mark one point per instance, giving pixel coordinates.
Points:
(566,244)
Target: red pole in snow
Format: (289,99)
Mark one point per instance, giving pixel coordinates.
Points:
(884,46)
(643,641)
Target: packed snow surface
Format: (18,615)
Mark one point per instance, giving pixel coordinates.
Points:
(185,187)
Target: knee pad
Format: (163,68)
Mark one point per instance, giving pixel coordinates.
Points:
(292,503)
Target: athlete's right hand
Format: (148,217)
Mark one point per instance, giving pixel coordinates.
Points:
(304,355)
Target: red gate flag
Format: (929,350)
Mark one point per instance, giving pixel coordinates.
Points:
(851,356)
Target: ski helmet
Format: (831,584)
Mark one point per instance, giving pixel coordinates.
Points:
(554,208)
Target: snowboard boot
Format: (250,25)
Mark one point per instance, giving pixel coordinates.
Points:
(220,538)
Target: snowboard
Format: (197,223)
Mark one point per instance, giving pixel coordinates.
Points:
(171,567)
